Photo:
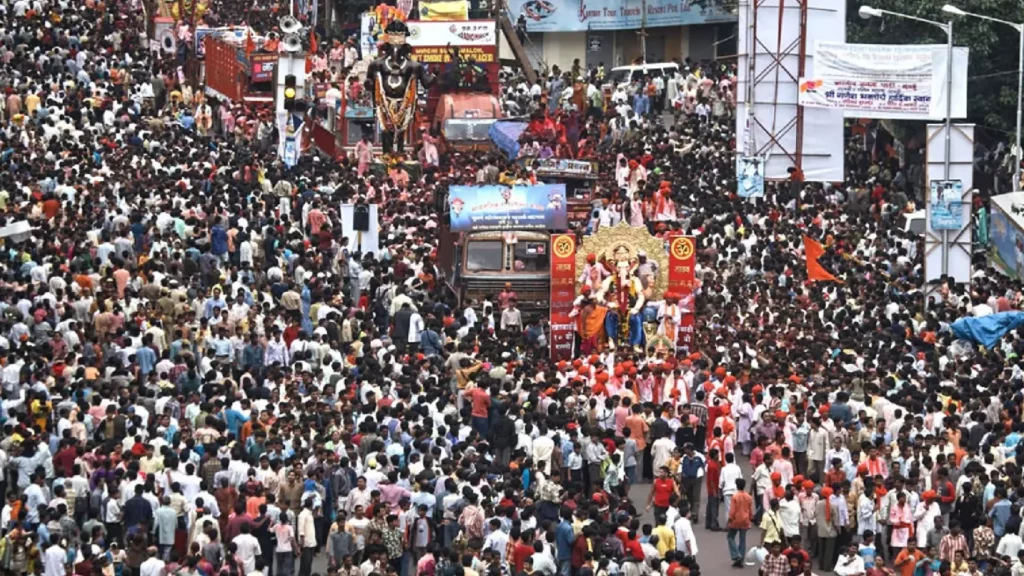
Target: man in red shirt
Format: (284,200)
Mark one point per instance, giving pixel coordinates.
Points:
(741,510)
(662,491)
(523,550)
(712,474)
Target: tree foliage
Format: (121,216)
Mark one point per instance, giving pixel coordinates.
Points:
(992,71)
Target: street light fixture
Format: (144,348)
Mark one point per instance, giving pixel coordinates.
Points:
(947,27)
(950,9)
(867,12)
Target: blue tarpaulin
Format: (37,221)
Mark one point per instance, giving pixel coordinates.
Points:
(505,136)
(987,330)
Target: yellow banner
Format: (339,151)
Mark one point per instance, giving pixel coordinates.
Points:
(444,10)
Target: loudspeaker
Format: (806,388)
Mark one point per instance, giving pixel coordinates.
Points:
(361,218)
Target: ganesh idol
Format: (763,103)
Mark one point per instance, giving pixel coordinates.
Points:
(393,79)
(623,293)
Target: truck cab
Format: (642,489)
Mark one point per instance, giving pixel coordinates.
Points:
(492,258)
(494,235)
(463,121)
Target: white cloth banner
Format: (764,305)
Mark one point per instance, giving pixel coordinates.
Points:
(886,81)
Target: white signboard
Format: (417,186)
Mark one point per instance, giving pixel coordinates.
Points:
(902,81)
(948,250)
(467,33)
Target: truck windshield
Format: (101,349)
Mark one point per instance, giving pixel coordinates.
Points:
(464,129)
(532,257)
(485,256)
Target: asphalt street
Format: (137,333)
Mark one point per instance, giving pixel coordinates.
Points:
(712,547)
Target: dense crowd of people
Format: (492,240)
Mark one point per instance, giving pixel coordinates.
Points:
(201,374)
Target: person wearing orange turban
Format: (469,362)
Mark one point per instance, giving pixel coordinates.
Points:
(826,495)
(778,491)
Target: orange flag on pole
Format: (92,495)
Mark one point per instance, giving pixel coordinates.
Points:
(815,271)
(250,46)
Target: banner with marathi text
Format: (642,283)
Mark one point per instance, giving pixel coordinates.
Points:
(563,293)
(886,80)
(682,259)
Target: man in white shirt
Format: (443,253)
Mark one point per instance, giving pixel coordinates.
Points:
(54,559)
(416,325)
(153,566)
(850,563)
(307,537)
(248,548)
(1009,545)
(497,540)
(543,447)
(727,479)
(686,540)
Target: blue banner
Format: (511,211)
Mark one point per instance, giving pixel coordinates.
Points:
(578,15)
(540,207)
(1006,243)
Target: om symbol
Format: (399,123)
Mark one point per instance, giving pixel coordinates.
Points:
(682,248)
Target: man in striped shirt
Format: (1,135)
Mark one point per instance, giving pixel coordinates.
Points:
(953,542)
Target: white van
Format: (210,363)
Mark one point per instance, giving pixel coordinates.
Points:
(623,75)
(915,222)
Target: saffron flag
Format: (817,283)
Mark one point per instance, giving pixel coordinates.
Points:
(815,271)
(250,46)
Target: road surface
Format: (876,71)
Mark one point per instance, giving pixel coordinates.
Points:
(712,547)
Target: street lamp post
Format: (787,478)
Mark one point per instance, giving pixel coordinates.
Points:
(869,12)
(950,9)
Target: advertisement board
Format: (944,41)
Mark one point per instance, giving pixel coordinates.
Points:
(441,55)
(540,207)
(563,168)
(468,33)
(563,293)
(886,80)
(750,176)
(682,261)
(578,16)
(200,46)
(367,45)
(944,199)
(443,10)
(261,66)
(1006,242)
